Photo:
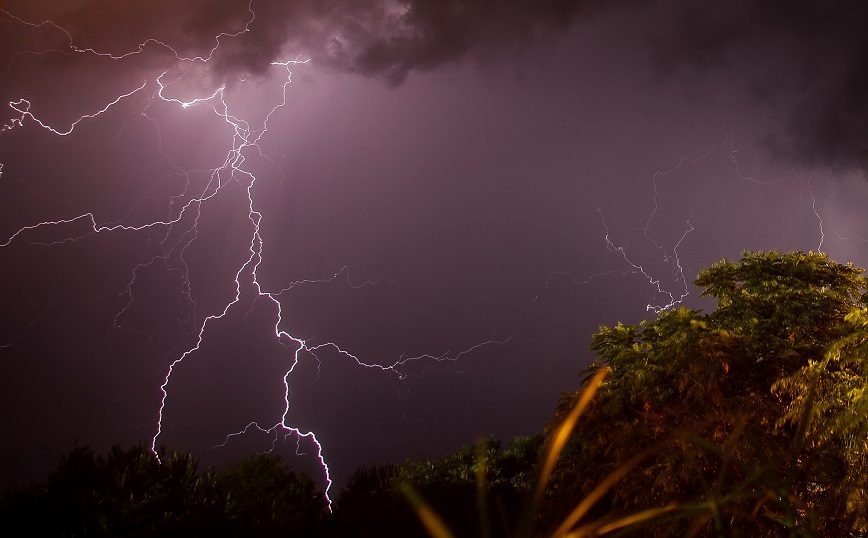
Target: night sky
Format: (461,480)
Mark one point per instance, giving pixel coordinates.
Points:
(409,216)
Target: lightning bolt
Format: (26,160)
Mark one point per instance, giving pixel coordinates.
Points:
(179,230)
(176,232)
(669,254)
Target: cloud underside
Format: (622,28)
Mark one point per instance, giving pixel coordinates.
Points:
(806,59)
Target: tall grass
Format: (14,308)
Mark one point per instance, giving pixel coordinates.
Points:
(763,487)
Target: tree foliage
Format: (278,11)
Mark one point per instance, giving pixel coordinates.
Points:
(477,489)
(132,493)
(835,416)
(722,395)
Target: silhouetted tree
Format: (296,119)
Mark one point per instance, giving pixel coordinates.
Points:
(371,505)
(132,493)
(263,497)
(479,486)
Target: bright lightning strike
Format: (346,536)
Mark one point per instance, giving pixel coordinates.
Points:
(178,232)
(669,252)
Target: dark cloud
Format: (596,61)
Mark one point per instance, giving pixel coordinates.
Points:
(424,34)
(387,39)
(808,58)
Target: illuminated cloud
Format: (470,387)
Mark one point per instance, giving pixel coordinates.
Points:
(805,60)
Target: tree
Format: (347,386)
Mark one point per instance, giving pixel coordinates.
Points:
(129,492)
(126,492)
(696,391)
(478,490)
(264,497)
(371,506)
(835,416)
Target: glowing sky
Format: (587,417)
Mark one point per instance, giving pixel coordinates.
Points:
(466,189)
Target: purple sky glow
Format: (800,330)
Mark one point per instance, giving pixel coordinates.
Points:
(391,226)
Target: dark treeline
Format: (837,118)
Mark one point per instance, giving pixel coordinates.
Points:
(129,492)
(132,493)
(750,420)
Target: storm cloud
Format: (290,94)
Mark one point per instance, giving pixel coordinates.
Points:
(807,61)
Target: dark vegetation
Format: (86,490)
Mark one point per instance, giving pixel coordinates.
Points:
(131,493)
(751,420)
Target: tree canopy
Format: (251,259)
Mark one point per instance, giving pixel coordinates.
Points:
(129,492)
(755,408)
